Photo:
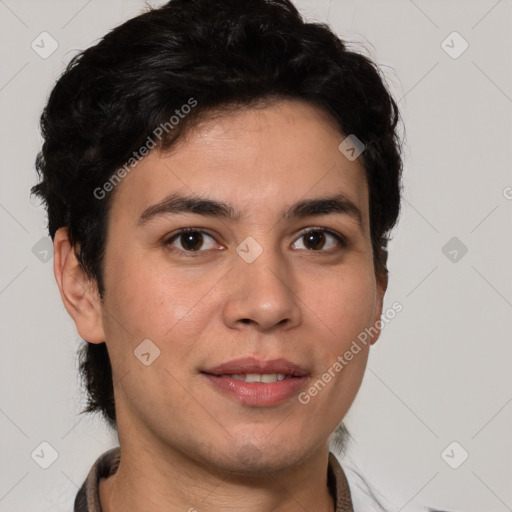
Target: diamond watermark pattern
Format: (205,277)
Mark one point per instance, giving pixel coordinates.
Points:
(44,45)
(249,453)
(43,249)
(351,147)
(454,250)
(454,455)
(44,455)
(146,352)
(454,45)
(249,249)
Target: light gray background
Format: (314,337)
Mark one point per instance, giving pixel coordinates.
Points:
(441,370)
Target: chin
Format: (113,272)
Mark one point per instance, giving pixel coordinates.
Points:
(253,455)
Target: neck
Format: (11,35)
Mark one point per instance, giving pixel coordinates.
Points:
(167,481)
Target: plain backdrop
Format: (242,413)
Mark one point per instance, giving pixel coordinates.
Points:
(440,372)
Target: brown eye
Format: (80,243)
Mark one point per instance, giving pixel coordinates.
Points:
(317,239)
(314,240)
(191,240)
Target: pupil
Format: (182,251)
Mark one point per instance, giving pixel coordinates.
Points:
(193,241)
(316,239)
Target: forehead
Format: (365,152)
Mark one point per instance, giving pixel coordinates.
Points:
(258,159)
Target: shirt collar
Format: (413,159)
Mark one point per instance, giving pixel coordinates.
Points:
(88,498)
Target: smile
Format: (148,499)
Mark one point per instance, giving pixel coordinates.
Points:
(257,390)
(265,378)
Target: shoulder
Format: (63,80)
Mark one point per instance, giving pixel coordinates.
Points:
(87,499)
(368,498)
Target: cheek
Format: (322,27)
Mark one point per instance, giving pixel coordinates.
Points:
(346,305)
(345,310)
(161,303)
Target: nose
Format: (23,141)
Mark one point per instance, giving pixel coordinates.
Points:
(261,295)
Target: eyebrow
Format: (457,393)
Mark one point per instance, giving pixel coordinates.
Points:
(176,204)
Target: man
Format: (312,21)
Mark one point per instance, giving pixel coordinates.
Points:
(221,178)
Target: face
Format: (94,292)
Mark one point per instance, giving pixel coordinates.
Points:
(259,284)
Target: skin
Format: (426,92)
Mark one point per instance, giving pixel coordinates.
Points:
(185,444)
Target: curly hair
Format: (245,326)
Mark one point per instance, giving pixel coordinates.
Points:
(226,54)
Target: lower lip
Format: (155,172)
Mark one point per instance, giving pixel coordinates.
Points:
(258,393)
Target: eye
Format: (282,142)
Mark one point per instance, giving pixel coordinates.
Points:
(316,239)
(191,240)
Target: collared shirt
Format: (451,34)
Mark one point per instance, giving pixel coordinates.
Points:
(88,497)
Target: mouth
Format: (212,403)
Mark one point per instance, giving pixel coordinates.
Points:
(265,378)
(257,383)
(252,368)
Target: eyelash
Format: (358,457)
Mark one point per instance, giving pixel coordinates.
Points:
(338,236)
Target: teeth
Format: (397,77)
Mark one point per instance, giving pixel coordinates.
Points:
(253,377)
(266,378)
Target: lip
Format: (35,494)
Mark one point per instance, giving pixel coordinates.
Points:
(253,365)
(257,393)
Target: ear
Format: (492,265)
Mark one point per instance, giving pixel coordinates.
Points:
(78,291)
(380,291)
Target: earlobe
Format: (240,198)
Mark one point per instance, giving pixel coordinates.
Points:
(78,292)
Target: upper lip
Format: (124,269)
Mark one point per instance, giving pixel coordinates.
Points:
(246,365)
